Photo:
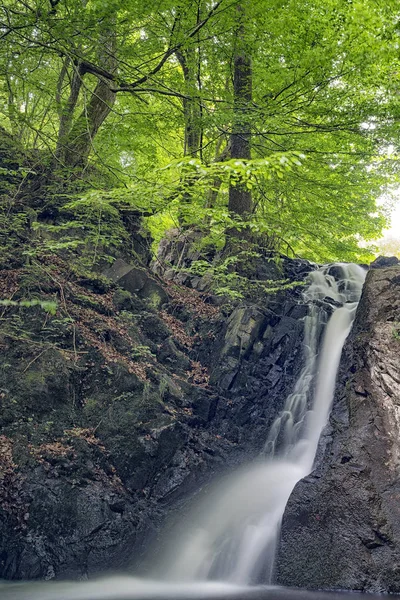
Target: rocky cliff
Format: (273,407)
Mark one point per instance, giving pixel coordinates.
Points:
(341,527)
(119,407)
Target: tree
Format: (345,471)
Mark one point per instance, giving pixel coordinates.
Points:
(285,109)
(240,201)
(75,139)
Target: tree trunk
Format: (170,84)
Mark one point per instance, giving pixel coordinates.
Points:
(192,119)
(76,141)
(67,113)
(191,106)
(240,201)
(80,139)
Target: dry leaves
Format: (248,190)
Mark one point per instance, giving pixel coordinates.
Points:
(56,449)
(177,329)
(198,375)
(87,434)
(192,300)
(9,283)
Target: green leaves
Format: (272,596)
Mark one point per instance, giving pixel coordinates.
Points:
(229,280)
(238,171)
(46,305)
(325,109)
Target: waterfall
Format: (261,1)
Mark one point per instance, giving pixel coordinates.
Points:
(233,534)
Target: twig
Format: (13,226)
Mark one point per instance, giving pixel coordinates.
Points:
(35,359)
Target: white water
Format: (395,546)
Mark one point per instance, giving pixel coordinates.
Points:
(118,588)
(233,534)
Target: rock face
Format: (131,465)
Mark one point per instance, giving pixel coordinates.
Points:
(341,527)
(115,413)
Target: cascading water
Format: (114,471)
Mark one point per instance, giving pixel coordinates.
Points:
(235,531)
(233,536)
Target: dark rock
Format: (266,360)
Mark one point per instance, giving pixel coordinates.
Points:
(140,242)
(123,300)
(153,327)
(169,354)
(101,458)
(243,327)
(384,261)
(137,281)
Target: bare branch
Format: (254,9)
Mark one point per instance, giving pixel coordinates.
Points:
(150,91)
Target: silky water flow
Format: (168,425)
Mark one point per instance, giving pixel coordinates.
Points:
(232,537)
(234,532)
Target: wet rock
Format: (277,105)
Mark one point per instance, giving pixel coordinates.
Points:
(342,529)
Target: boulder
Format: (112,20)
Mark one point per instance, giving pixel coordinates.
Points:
(384,261)
(137,281)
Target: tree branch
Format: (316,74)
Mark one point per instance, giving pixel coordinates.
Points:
(150,90)
(88,67)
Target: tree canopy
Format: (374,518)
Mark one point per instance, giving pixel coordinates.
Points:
(272,117)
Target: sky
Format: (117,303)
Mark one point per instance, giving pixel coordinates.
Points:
(394,231)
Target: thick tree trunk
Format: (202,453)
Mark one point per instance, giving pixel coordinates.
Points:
(240,201)
(67,113)
(76,139)
(192,118)
(80,139)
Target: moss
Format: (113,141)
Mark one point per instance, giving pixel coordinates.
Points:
(154,327)
(33,384)
(33,379)
(396,331)
(88,302)
(34,280)
(95,282)
(155,298)
(123,300)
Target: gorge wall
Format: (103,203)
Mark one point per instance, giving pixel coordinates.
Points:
(341,527)
(118,409)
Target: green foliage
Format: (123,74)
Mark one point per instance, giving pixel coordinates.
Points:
(12,230)
(231,278)
(47,305)
(328,228)
(91,228)
(396,331)
(324,113)
(14,218)
(238,172)
(139,352)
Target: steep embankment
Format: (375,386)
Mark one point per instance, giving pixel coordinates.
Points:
(118,407)
(342,524)
(119,402)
